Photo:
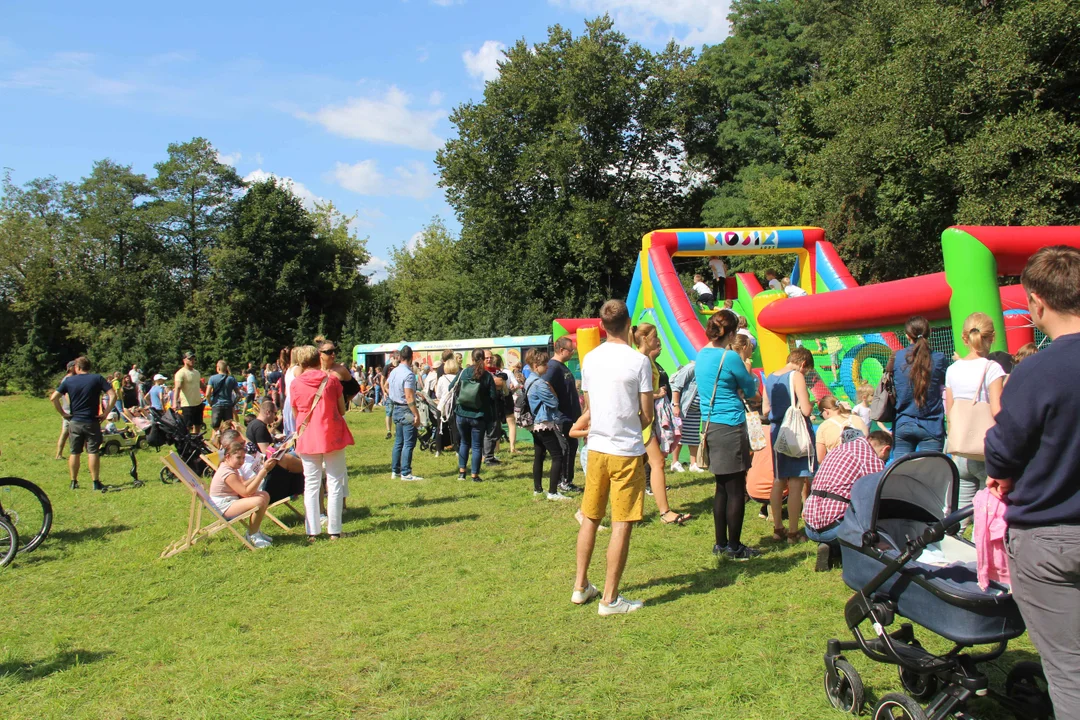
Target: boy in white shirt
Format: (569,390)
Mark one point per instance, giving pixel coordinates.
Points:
(617,381)
(792,290)
(704,292)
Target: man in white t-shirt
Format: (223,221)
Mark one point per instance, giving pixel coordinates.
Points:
(704,292)
(617,381)
(719,273)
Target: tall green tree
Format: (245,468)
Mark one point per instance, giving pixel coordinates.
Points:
(573,154)
(195,194)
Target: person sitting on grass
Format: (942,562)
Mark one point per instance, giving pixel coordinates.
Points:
(234,496)
(831,492)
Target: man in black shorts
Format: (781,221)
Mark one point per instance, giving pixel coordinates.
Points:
(84,391)
(187,395)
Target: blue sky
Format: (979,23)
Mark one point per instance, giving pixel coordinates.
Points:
(348,100)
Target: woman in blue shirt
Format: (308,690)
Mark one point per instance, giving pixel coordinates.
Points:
(723,384)
(544,405)
(919,379)
(789,472)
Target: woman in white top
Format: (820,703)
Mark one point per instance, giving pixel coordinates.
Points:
(288,421)
(974,377)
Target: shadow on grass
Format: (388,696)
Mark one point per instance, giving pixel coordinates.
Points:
(85,534)
(26,672)
(707,580)
(424,502)
(416,523)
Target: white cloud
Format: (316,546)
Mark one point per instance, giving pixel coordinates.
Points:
(387,119)
(447,3)
(376,269)
(229,158)
(365,218)
(435,98)
(69,73)
(484,63)
(413,179)
(415,241)
(691,22)
(308,198)
(258,158)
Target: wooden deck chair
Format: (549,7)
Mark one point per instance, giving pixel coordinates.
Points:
(200,499)
(214,460)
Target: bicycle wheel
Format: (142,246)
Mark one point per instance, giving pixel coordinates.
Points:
(9,542)
(27,508)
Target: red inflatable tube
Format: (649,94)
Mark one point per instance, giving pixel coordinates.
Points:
(1012,246)
(671,289)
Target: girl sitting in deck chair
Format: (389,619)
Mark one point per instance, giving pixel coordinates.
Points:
(233,496)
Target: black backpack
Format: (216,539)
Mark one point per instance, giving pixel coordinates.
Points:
(522,408)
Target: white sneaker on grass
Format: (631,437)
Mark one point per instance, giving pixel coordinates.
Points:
(694,468)
(537,493)
(677,467)
(580,597)
(410,478)
(263,536)
(259,542)
(557,496)
(394,475)
(621,606)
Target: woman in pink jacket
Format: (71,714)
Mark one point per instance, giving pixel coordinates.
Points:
(322,444)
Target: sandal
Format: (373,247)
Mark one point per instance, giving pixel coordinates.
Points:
(794,538)
(779,535)
(679,519)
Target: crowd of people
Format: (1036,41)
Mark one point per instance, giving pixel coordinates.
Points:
(634,421)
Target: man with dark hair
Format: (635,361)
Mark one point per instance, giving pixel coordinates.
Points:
(1033,459)
(401,394)
(222,392)
(187,395)
(831,493)
(494,433)
(617,381)
(84,391)
(439,369)
(562,382)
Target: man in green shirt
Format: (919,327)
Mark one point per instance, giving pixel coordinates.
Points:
(187,394)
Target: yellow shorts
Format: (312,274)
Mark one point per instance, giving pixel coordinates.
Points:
(623,478)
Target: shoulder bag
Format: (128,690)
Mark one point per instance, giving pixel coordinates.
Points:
(793,439)
(883,404)
(288,444)
(969,421)
(702,458)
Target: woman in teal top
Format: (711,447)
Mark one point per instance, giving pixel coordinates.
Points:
(722,369)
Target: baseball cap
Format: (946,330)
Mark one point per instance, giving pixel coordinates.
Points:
(159,376)
(189,355)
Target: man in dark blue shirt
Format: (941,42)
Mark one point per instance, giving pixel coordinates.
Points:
(222,393)
(1033,461)
(565,387)
(84,391)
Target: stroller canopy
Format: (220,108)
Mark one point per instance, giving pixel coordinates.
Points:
(922,486)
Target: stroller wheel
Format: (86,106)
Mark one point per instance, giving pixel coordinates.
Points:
(897,706)
(166,476)
(921,687)
(1026,684)
(844,688)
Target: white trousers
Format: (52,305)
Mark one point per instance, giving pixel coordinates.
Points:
(336,482)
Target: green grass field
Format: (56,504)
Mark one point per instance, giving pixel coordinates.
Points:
(443,600)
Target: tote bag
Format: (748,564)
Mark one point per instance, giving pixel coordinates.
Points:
(794,437)
(969,421)
(883,404)
(702,458)
(755,430)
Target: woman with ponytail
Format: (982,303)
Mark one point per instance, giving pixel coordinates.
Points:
(919,378)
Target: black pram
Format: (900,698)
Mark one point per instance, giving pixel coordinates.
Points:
(902,556)
(170,427)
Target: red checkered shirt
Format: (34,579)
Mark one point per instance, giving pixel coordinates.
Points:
(838,472)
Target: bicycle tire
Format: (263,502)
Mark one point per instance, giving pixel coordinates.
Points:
(9,542)
(31,513)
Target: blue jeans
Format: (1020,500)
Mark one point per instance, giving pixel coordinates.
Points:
(472,436)
(404,441)
(910,436)
(828,536)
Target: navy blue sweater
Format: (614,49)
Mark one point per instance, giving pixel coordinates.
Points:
(1036,440)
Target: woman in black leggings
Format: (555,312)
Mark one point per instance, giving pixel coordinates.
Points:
(548,439)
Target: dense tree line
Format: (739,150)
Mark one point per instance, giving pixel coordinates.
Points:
(127,268)
(884,121)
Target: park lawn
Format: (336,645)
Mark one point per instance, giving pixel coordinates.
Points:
(443,600)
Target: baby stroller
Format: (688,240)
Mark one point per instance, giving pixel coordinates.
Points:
(902,556)
(170,427)
(429,421)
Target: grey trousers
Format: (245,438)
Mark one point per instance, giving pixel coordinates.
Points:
(491,439)
(1044,565)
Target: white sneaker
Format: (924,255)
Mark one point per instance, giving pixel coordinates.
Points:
(678,467)
(264,537)
(410,478)
(695,468)
(557,496)
(259,542)
(394,476)
(323,521)
(580,597)
(538,492)
(619,607)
